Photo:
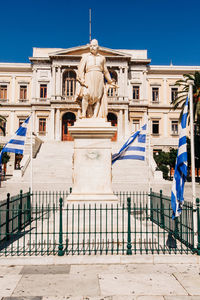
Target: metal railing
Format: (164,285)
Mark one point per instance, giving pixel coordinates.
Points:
(138,224)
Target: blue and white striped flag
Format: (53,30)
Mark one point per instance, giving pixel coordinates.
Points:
(17,142)
(180,173)
(134,148)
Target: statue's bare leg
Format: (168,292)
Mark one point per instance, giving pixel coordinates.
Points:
(96,109)
(84,106)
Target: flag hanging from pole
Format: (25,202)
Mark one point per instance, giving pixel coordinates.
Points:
(180,173)
(17,142)
(134,148)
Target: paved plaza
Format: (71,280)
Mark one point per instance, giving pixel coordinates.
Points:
(100,277)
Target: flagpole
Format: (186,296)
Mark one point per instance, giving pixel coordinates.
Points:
(149,158)
(193,161)
(192,142)
(31,154)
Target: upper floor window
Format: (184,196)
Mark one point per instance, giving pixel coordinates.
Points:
(136,125)
(112,92)
(21,121)
(69,83)
(23,92)
(174,127)
(3,92)
(174,93)
(155,94)
(43,91)
(155,127)
(42,126)
(136,92)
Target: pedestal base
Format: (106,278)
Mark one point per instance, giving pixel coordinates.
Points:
(92,176)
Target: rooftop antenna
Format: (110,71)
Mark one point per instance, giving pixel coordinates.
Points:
(90,25)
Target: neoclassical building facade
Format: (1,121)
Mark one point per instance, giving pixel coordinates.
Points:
(46,87)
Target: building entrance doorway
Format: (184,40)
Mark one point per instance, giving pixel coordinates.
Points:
(68,120)
(113,119)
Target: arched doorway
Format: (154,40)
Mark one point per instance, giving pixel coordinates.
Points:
(113,119)
(68,120)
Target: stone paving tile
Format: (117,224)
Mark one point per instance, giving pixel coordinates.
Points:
(140,284)
(163,268)
(190,282)
(57,285)
(8,270)
(46,269)
(8,284)
(150,298)
(96,269)
(182,297)
(22,298)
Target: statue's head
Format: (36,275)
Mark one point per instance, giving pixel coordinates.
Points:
(94,46)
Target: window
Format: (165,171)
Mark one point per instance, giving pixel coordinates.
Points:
(69,83)
(136,125)
(3,92)
(155,127)
(42,126)
(155,94)
(136,92)
(21,121)
(112,92)
(174,127)
(174,93)
(23,92)
(43,91)
(3,128)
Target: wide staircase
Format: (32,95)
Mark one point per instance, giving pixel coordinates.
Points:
(52,169)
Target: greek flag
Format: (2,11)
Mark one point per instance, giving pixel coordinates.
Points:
(17,142)
(134,148)
(180,173)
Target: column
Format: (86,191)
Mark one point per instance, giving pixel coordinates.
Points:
(165,125)
(126,123)
(58,77)
(34,84)
(144,87)
(33,116)
(57,124)
(165,91)
(120,126)
(120,82)
(52,123)
(53,84)
(12,122)
(13,90)
(126,82)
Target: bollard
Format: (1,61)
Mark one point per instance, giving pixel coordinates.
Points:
(129,246)
(60,247)
(7,216)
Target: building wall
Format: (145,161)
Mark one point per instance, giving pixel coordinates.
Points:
(49,70)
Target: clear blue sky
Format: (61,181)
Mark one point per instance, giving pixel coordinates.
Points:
(168,29)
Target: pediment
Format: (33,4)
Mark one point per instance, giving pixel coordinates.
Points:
(79,51)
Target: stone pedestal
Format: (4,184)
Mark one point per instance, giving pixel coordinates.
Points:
(92,176)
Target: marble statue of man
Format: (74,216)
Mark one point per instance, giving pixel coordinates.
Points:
(92,91)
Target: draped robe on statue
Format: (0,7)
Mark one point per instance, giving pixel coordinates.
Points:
(91,72)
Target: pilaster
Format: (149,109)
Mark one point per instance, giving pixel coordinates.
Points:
(13,89)
(52,123)
(57,124)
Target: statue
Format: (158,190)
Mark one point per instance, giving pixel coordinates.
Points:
(91,89)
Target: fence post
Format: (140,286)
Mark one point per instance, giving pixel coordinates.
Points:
(198,225)
(161,210)
(20,211)
(29,206)
(60,247)
(7,216)
(129,246)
